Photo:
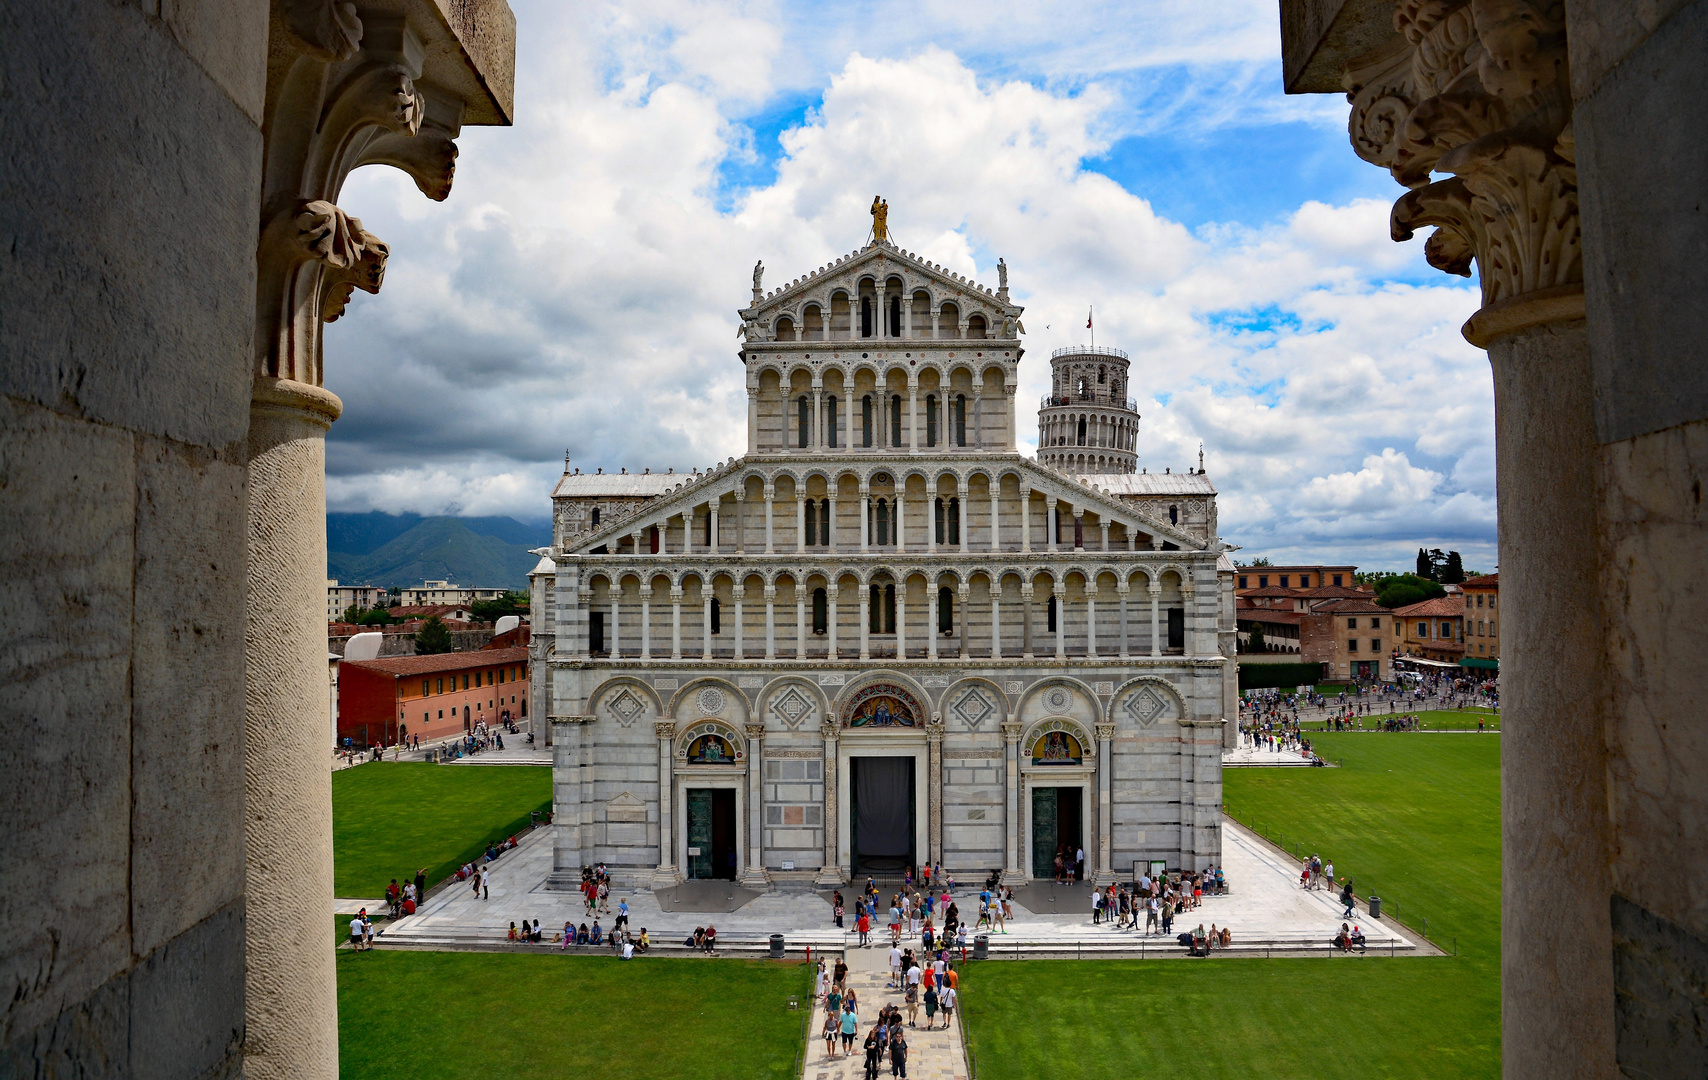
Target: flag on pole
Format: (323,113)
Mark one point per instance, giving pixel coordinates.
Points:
(1088,318)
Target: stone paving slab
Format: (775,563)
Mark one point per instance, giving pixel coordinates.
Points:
(936,1054)
(1265,907)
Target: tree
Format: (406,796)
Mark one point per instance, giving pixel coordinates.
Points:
(1257,638)
(1454,571)
(1424,568)
(1402,589)
(434,637)
(511,603)
(1261,560)
(376,616)
(353,614)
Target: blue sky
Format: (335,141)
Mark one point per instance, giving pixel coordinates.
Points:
(578,290)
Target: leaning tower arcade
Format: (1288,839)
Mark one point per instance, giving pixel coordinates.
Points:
(1087,424)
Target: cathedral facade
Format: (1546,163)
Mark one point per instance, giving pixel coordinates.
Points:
(882,636)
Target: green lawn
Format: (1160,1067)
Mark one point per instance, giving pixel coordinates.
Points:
(389,819)
(1415,820)
(1433,719)
(422,1015)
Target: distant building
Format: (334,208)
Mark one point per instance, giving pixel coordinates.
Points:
(1292,577)
(443,592)
(1433,629)
(383,701)
(1352,637)
(1482,618)
(340,598)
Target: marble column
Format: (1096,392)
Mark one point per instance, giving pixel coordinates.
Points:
(1079,530)
(1011,820)
(800,523)
(907,316)
(1026,619)
(819,442)
(769,494)
(913,415)
(1052,521)
(961,515)
(616,620)
(931,516)
(995,514)
(740,522)
(1090,622)
(1103,533)
(900,524)
(1106,874)
(931,598)
(934,786)
(706,620)
(965,592)
(831,591)
(996,620)
(865,622)
(1156,612)
(755,876)
(665,875)
(830,874)
(901,620)
(770,622)
(1026,520)
(1123,590)
(800,622)
(1059,591)
(717,535)
(865,520)
(646,623)
(739,593)
(676,622)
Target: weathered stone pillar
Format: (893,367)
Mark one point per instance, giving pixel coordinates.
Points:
(865,622)
(995,620)
(769,494)
(739,592)
(1470,107)
(770,622)
(292,1002)
(965,592)
(665,875)
(1156,612)
(1026,619)
(1090,622)
(832,589)
(646,621)
(1106,874)
(676,622)
(1123,589)
(831,872)
(1026,519)
(934,786)
(567,796)
(1058,590)
(755,877)
(1011,819)
(995,514)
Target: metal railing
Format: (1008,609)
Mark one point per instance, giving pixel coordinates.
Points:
(1089,350)
(1092,399)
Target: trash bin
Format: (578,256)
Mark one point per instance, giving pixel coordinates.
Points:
(981,947)
(1375,907)
(776,946)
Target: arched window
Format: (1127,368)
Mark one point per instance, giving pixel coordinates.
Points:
(866,420)
(1081,431)
(882,512)
(717,616)
(812,523)
(785,329)
(865,316)
(803,408)
(895,316)
(930,419)
(830,422)
(595,517)
(881,618)
(820,612)
(1051,627)
(960,420)
(824,518)
(895,419)
(945,611)
(711,541)
(1174,515)
(1102,374)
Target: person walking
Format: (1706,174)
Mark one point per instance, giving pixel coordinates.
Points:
(1096,906)
(930,1007)
(898,1054)
(485,892)
(1347,898)
(850,1027)
(947,1000)
(832,1028)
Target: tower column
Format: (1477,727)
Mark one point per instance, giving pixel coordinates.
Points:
(646,622)
(965,592)
(706,620)
(995,620)
(741,521)
(931,522)
(913,414)
(676,622)
(1025,519)
(1026,619)
(1058,589)
(770,622)
(865,621)
(800,622)
(1090,622)
(1156,610)
(995,511)
(907,316)
(961,514)
(1011,822)
(831,538)
(900,524)
(768,494)
(865,518)
(616,620)
(1052,521)
(1103,532)
(665,875)
(818,440)
(755,877)
(901,619)
(800,522)
(1122,588)
(717,536)
(739,593)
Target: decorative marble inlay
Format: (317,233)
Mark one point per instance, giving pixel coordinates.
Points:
(1013,687)
(792,707)
(750,682)
(1057,698)
(710,701)
(626,706)
(1144,705)
(973,707)
(665,684)
(832,680)
(1103,687)
(934,680)
(976,814)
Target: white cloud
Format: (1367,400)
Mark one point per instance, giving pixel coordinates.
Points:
(579,288)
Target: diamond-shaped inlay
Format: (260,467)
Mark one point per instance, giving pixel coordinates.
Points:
(1145,705)
(973,707)
(626,706)
(711,701)
(792,707)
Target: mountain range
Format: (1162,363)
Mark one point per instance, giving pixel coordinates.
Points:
(399,550)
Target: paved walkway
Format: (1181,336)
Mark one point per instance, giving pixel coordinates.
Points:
(1265,908)
(932,1055)
(1248,755)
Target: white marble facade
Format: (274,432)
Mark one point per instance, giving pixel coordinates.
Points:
(883,575)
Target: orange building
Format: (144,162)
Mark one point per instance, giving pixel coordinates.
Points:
(383,701)
(1482,617)
(1433,629)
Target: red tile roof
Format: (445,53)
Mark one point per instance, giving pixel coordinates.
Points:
(1351,607)
(1440,607)
(437,662)
(1487,581)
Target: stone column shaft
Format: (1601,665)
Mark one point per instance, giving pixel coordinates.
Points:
(1011,819)
(291,1003)
(831,872)
(755,876)
(1156,611)
(646,624)
(666,875)
(996,621)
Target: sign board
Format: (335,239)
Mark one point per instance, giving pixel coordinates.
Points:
(693,851)
(788,865)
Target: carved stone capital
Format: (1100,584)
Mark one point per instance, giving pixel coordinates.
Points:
(1477,90)
(1011,732)
(755,731)
(664,729)
(828,731)
(935,731)
(1105,731)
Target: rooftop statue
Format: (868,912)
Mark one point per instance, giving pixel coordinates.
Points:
(880,219)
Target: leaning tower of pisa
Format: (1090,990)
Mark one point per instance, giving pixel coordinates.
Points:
(1087,424)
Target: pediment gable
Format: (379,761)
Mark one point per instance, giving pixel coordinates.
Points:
(874,259)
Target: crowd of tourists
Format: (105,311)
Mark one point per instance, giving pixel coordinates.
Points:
(402,900)
(1157,901)
(926,979)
